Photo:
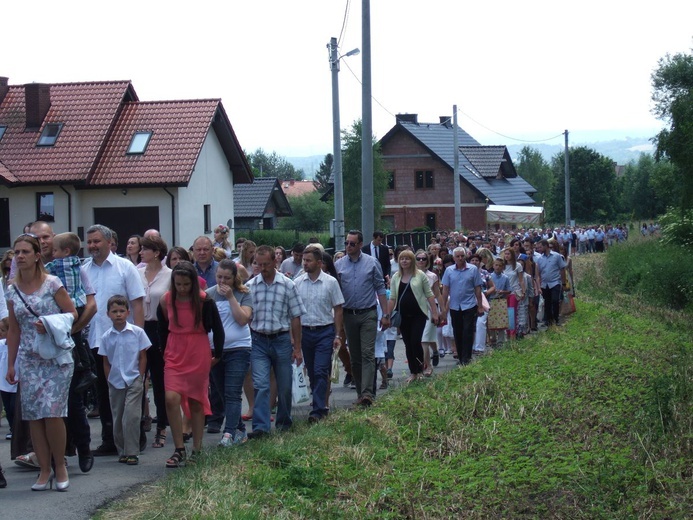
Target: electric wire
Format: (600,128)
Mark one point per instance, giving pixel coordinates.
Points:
(344,22)
(360,83)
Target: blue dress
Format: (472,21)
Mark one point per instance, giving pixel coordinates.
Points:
(44,383)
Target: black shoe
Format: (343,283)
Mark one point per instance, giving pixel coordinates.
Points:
(3,482)
(105,450)
(435,359)
(257,434)
(86,461)
(348,380)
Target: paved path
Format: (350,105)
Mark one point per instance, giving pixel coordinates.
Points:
(108,480)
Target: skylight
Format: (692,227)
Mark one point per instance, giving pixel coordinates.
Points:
(2,131)
(49,135)
(139,142)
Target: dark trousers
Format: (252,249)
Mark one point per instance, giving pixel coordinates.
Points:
(105,415)
(317,354)
(76,423)
(155,366)
(463,329)
(412,329)
(8,399)
(21,438)
(552,302)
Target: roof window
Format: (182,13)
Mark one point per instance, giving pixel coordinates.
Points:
(2,131)
(139,143)
(49,135)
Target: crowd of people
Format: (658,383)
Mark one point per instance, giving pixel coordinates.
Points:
(201,326)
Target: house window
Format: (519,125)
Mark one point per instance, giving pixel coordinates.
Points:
(424,180)
(208,218)
(45,207)
(139,143)
(49,135)
(2,131)
(391,180)
(431,221)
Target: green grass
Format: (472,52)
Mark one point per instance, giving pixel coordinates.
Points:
(590,420)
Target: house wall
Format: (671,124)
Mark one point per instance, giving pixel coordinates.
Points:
(211,183)
(409,206)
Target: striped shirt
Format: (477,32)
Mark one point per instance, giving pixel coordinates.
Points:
(68,270)
(275,304)
(323,294)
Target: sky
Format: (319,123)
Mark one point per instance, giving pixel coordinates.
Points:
(517,71)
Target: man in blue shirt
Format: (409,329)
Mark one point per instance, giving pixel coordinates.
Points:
(462,284)
(551,277)
(204,261)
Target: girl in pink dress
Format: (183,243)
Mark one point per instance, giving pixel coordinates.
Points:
(186,315)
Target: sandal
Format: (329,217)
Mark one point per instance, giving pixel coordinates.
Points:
(123,460)
(247,417)
(132,460)
(159,438)
(176,460)
(187,437)
(28,461)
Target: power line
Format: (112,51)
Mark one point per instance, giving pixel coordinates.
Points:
(503,135)
(344,22)
(372,97)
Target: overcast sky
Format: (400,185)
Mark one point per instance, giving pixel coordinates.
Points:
(527,70)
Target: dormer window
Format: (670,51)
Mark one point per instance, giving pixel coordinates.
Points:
(139,143)
(49,135)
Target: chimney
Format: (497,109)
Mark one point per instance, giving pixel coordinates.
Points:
(446,121)
(407,118)
(38,101)
(4,87)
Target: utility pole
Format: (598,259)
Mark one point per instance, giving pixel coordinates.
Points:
(567,182)
(336,149)
(367,204)
(456,172)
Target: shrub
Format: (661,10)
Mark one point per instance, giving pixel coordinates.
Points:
(677,228)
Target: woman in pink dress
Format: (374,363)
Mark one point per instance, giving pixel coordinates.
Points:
(186,315)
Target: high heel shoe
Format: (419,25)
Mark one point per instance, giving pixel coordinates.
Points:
(47,485)
(62,486)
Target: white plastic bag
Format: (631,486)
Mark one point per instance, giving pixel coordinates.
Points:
(299,389)
(335,368)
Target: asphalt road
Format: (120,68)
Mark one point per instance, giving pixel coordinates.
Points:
(109,480)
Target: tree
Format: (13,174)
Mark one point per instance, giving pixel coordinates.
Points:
(592,187)
(309,213)
(672,93)
(533,168)
(351,177)
(272,165)
(648,187)
(323,173)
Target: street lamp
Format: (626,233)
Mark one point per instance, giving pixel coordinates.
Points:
(337,143)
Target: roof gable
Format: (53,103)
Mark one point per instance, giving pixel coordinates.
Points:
(252,200)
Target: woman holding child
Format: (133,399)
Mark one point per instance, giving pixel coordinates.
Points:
(44,382)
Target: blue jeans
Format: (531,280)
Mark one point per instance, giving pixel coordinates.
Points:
(228,376)
(271,353)
(317,354)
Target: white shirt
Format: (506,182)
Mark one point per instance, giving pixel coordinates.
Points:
(321,296)
(122,348)
(115,275)
(3,304)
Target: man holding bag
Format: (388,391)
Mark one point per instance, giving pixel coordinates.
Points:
(319,326)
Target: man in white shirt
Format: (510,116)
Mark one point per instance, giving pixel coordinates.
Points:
(321,326)
(109,275)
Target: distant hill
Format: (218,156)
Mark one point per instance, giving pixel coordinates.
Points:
(620,150)
(309,164)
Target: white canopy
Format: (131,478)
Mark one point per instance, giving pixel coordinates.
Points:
(513,214)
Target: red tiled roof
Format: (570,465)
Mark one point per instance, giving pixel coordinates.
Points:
(297,188)
(87,112)
(178,131)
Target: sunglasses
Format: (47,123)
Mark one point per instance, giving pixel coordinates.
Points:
(352,244)
(421,258)
(31,235)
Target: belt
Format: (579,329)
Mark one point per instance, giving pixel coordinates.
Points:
(317,327)
(359,311)
(271,335)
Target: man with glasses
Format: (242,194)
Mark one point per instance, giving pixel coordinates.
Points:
(362,282)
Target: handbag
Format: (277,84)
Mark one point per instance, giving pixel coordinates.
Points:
(299,389)
(396,318)
(335,369)
(498,315)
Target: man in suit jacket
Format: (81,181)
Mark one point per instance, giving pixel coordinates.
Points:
(381,252)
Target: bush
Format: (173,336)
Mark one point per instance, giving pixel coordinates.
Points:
(677,228)
(660,272)
(283,237)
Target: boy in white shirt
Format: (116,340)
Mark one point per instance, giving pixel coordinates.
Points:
(123,347)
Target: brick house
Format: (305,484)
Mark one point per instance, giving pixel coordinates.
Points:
(76,154)
(419,158)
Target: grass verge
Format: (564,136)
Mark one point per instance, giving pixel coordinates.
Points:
(589,420)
